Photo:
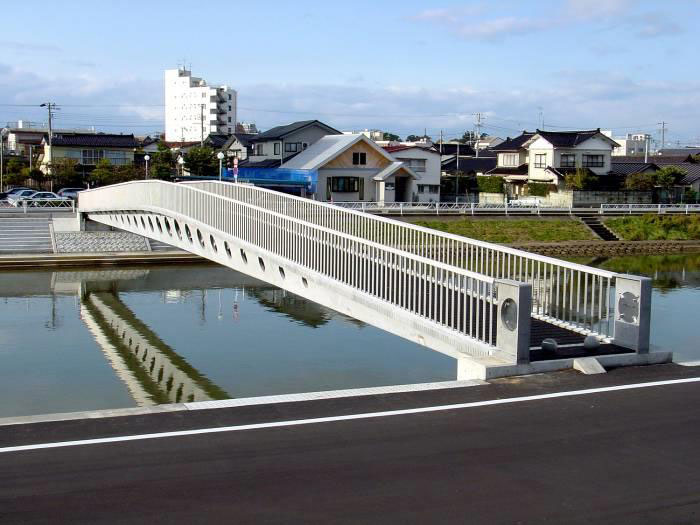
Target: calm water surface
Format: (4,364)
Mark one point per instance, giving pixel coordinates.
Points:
(94,339)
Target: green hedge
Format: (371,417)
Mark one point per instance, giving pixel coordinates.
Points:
(488,184)
(538,189)
(656,227)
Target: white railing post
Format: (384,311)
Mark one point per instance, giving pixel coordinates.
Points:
(472,208)
(514,301)
(401,208)
(632,312)
(659,213)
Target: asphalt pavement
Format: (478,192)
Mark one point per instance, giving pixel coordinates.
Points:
(555,448)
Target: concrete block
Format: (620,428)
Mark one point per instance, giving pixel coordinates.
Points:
(588,366)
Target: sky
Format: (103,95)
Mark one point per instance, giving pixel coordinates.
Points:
(402,67)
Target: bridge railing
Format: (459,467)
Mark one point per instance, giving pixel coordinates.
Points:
(574,296)
(450,296)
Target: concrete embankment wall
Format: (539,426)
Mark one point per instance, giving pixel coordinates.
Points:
(608,248)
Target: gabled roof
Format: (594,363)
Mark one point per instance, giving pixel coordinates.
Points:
(509,170)
(280,132)
(569,139)
(393,168)
(629,168)
(514,144)
(216,140)
(267,163)
(243,138)
(470,164)
(94,140)
(679,151)
(563,172)
(402,147)
(327,148)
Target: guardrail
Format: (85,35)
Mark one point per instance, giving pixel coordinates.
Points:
(450,296)
(574,296)
(651,208)
(38,205)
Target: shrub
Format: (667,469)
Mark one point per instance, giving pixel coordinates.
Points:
(489,184)
(581,179)
(538,189)
(640,181)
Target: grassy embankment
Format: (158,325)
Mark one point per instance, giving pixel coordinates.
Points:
(656,227)
(515,231)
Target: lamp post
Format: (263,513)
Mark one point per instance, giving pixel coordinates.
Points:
(2,160)
(220,156)
(147,158)
(181,162)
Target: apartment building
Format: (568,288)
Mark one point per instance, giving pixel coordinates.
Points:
(194,109)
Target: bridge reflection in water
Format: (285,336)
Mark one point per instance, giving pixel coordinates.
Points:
(153,372)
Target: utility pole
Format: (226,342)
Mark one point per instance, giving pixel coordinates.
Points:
(478,134)
(51,107)
(663,133)
(646,148)
(201,141)
(440,142)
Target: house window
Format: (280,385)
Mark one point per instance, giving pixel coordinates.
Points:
(277,148)
(568,160)
(229,107)
(540,160)
(229,97)
(593,161)
(259,149)
(204,95)
(428,188)
(292,147)
(345,184)
(509,159)
(229,130)
(390,186)
(90,157)
(229,119)
(359,158)
(417,165)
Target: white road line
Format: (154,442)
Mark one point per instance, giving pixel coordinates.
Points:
(332,419)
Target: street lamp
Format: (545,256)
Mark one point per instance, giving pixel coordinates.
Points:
(181,162)
(220,156)
(147,158)
(2,160)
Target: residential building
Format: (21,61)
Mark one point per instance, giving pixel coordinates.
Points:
(488,142)
(273,147)
(354,168)
(633,144)
(247,128)
(425,162)
(238,146)
(87,149)
(512,162)
(372,134)
(194,109)
(554,154)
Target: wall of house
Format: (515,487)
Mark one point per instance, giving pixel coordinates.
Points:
(115,155)
(307,135)
(375,160)
(522,159)
(594,146)
(431,175)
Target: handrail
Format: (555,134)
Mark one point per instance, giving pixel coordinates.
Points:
(566,293)
(452,297)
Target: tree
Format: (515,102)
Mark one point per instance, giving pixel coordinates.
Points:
(62,174)
(162,163)
(391,137)
(103,174)
(640,181)
(201,161)
(470,137)
(418,138)
(667,176)
(15,165)
(581,179)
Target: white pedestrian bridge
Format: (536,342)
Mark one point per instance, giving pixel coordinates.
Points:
(476,301)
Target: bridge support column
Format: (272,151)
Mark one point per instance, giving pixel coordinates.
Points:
(632,312)
(513,320)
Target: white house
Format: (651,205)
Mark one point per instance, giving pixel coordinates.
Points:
(194,109)
(425,162)
(353,168)
(633,144)
(553,154)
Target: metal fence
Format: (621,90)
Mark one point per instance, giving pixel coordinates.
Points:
(574,296)
(27,206)
(308,234)
(651,208)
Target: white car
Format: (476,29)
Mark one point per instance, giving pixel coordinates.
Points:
(17,198)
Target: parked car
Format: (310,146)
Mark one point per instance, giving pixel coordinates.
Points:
(525,202)
(16,198)
(5,194)
(46,198)
(71,193)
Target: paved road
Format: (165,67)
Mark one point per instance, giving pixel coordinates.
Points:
(621,456)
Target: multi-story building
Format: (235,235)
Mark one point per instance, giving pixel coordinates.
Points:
(633,144)
(194,109)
